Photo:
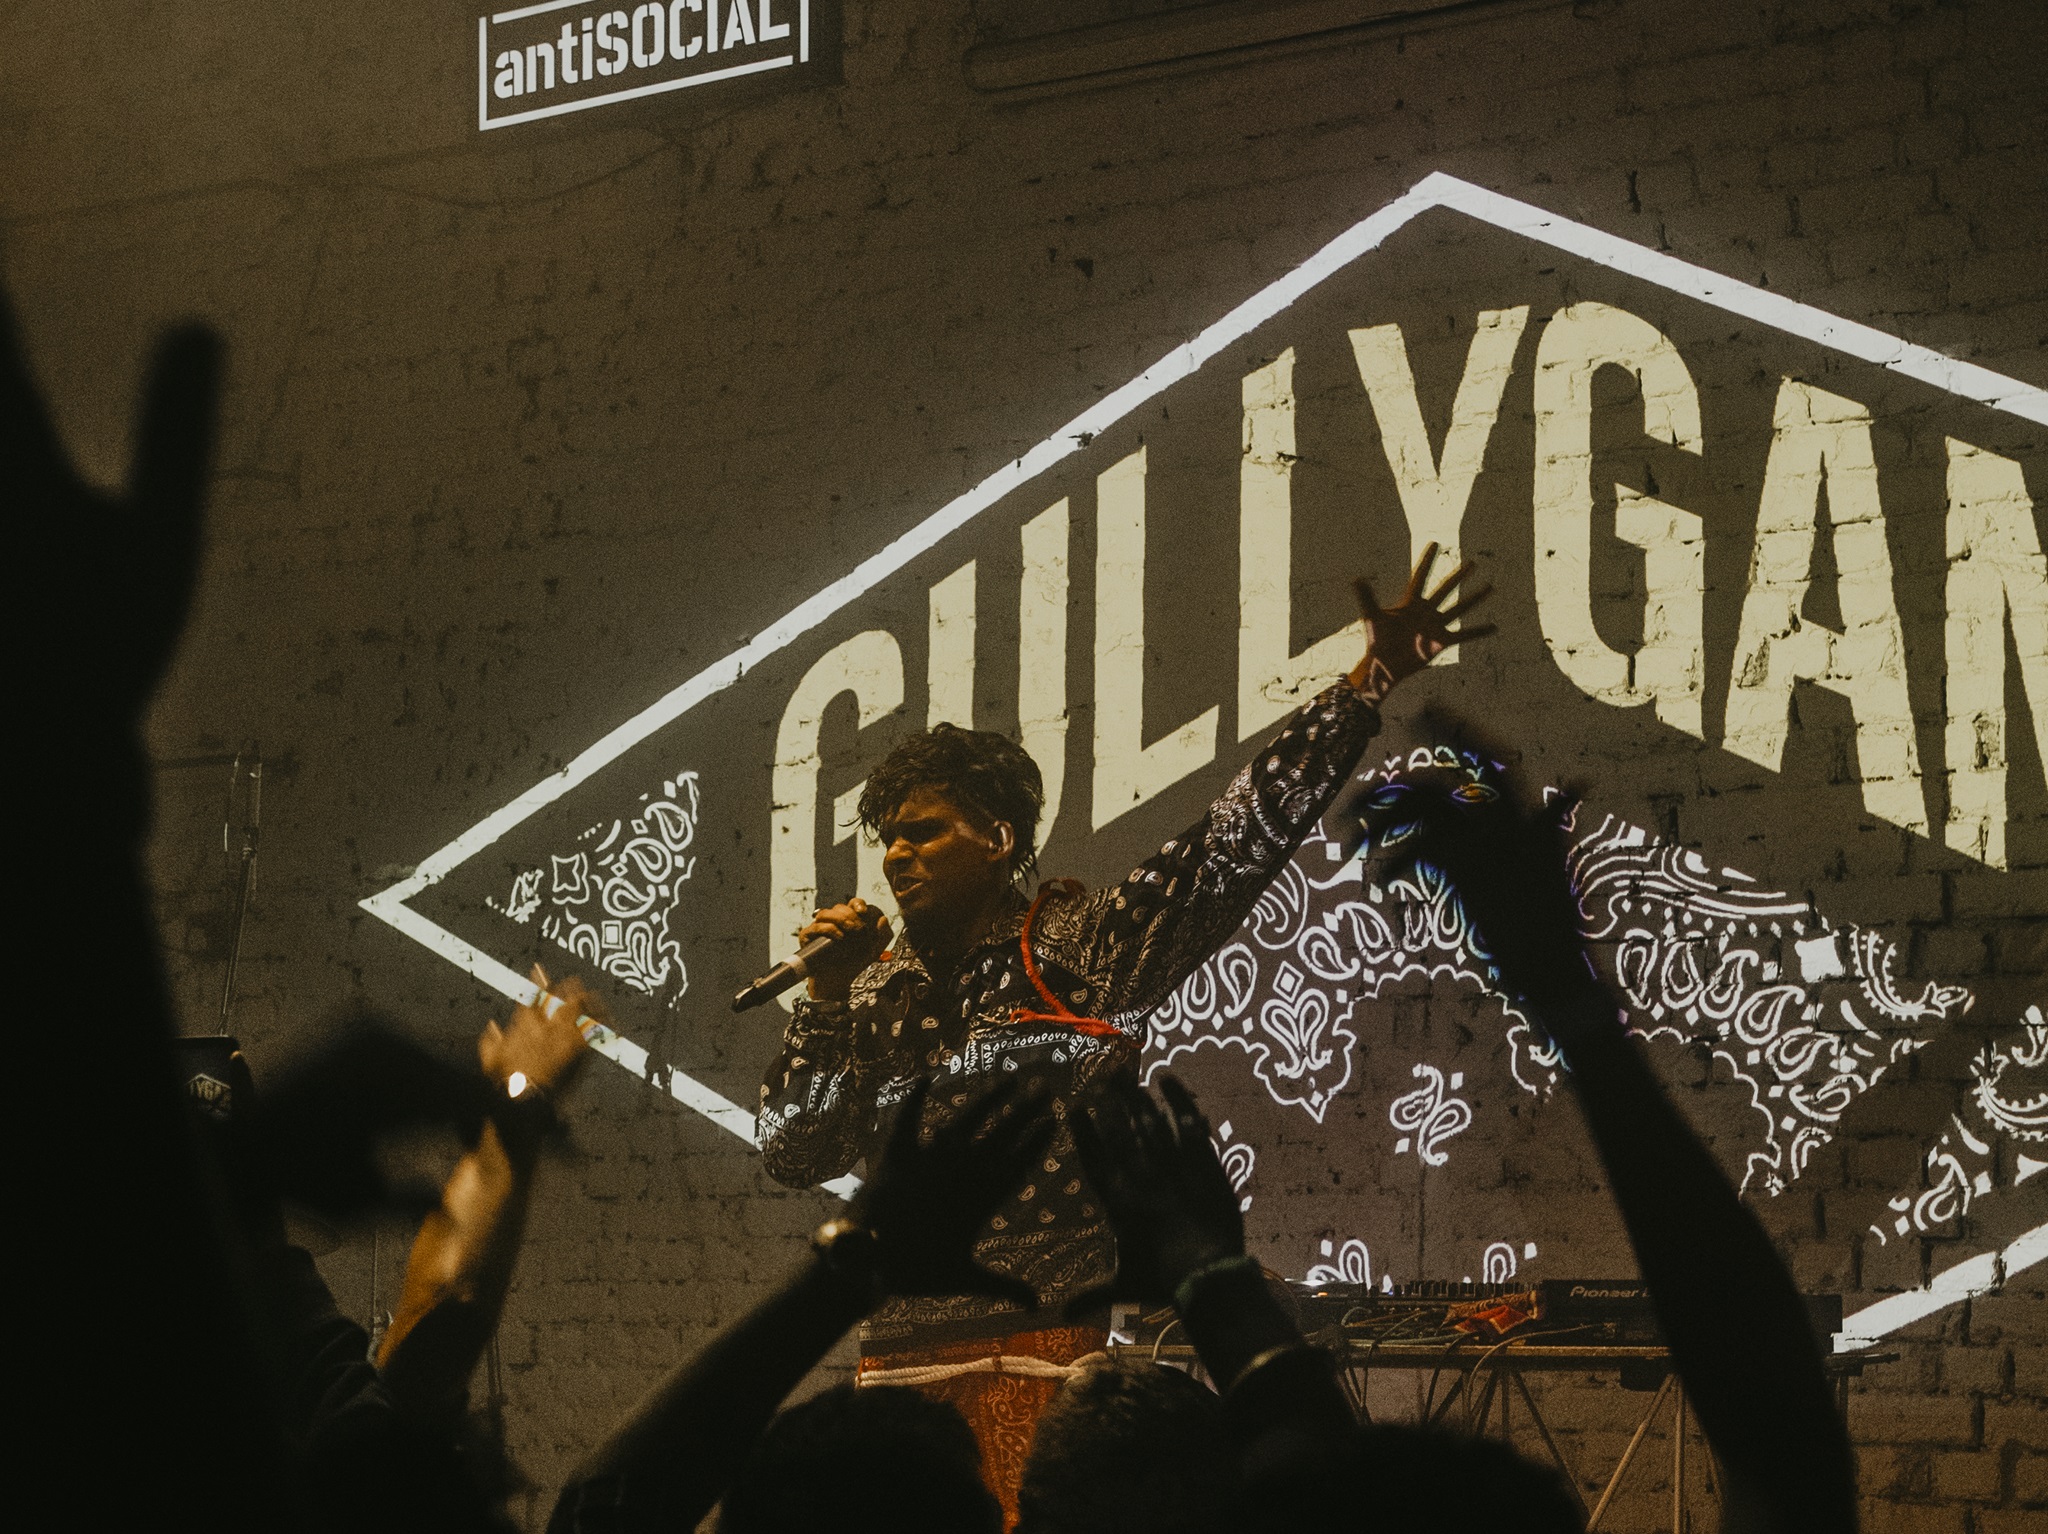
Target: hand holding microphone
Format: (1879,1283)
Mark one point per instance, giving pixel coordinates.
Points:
(837,944)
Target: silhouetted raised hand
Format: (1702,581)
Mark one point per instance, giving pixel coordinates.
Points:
(1730,1313)
(1169,1199)
(318,1130)
(144,1281)
(933,1192)
(113,574)
(1510,867)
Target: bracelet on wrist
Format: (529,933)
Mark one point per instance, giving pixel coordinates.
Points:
(849,1252)
(1373,680)
(524,1112)
(1280,1370)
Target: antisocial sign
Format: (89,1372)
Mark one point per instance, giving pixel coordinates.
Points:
(541,61)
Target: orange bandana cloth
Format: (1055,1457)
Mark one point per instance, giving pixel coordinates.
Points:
(1001,1385)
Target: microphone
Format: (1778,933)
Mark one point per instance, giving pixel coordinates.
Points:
(786,974)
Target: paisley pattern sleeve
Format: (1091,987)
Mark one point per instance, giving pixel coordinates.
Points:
(842,1064)
(1179,905)
(813,1112)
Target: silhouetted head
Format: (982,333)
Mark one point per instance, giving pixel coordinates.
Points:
(880,1458)
(1426,1481)
(1399,1479)
(1129,1448)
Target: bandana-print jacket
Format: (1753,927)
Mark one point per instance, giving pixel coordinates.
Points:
(1113,954)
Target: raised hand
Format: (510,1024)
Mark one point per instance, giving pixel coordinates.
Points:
(543,1043)
(1737,1330)
(930,1196)
(1510,867)
(110,576)
(1402,639)
(318,1132)
(1169,1199)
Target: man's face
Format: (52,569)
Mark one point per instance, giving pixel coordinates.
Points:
(939,860)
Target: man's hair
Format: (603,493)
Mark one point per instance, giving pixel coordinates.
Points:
(1129,1448)
(982,772)
(881,1457)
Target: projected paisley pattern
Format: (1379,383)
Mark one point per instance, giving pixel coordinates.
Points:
(1497,1263)
(2008,1097)
(1297,1036)
(1805,1016)
(1317,946)
(1998,1084)
(610,902)
(2009,1092)
(1239,1160)
(1800,1015)
(1430,1115)
(1350,1263)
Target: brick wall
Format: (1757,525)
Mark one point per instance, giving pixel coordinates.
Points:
(526,427)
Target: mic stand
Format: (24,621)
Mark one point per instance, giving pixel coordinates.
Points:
(252,826)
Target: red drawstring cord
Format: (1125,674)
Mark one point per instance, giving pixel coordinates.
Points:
(1061,1013)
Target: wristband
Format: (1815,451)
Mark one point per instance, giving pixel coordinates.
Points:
(850,1254)
(1317,1358)
(524,1112)
(1279,1382)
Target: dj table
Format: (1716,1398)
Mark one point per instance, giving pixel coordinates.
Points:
(1478,1343)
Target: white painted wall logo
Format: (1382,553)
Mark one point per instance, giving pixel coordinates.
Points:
(1817,505)
(540,61)
(610,900)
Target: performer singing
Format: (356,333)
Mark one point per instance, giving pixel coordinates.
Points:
(985,982)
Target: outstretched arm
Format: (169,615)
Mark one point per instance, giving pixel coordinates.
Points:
(911,1231)
(1734,1322)
(1180,904)
(668,1464)
(1180,1235)
(462,1260)
(1177,1221)
(1736,1325)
